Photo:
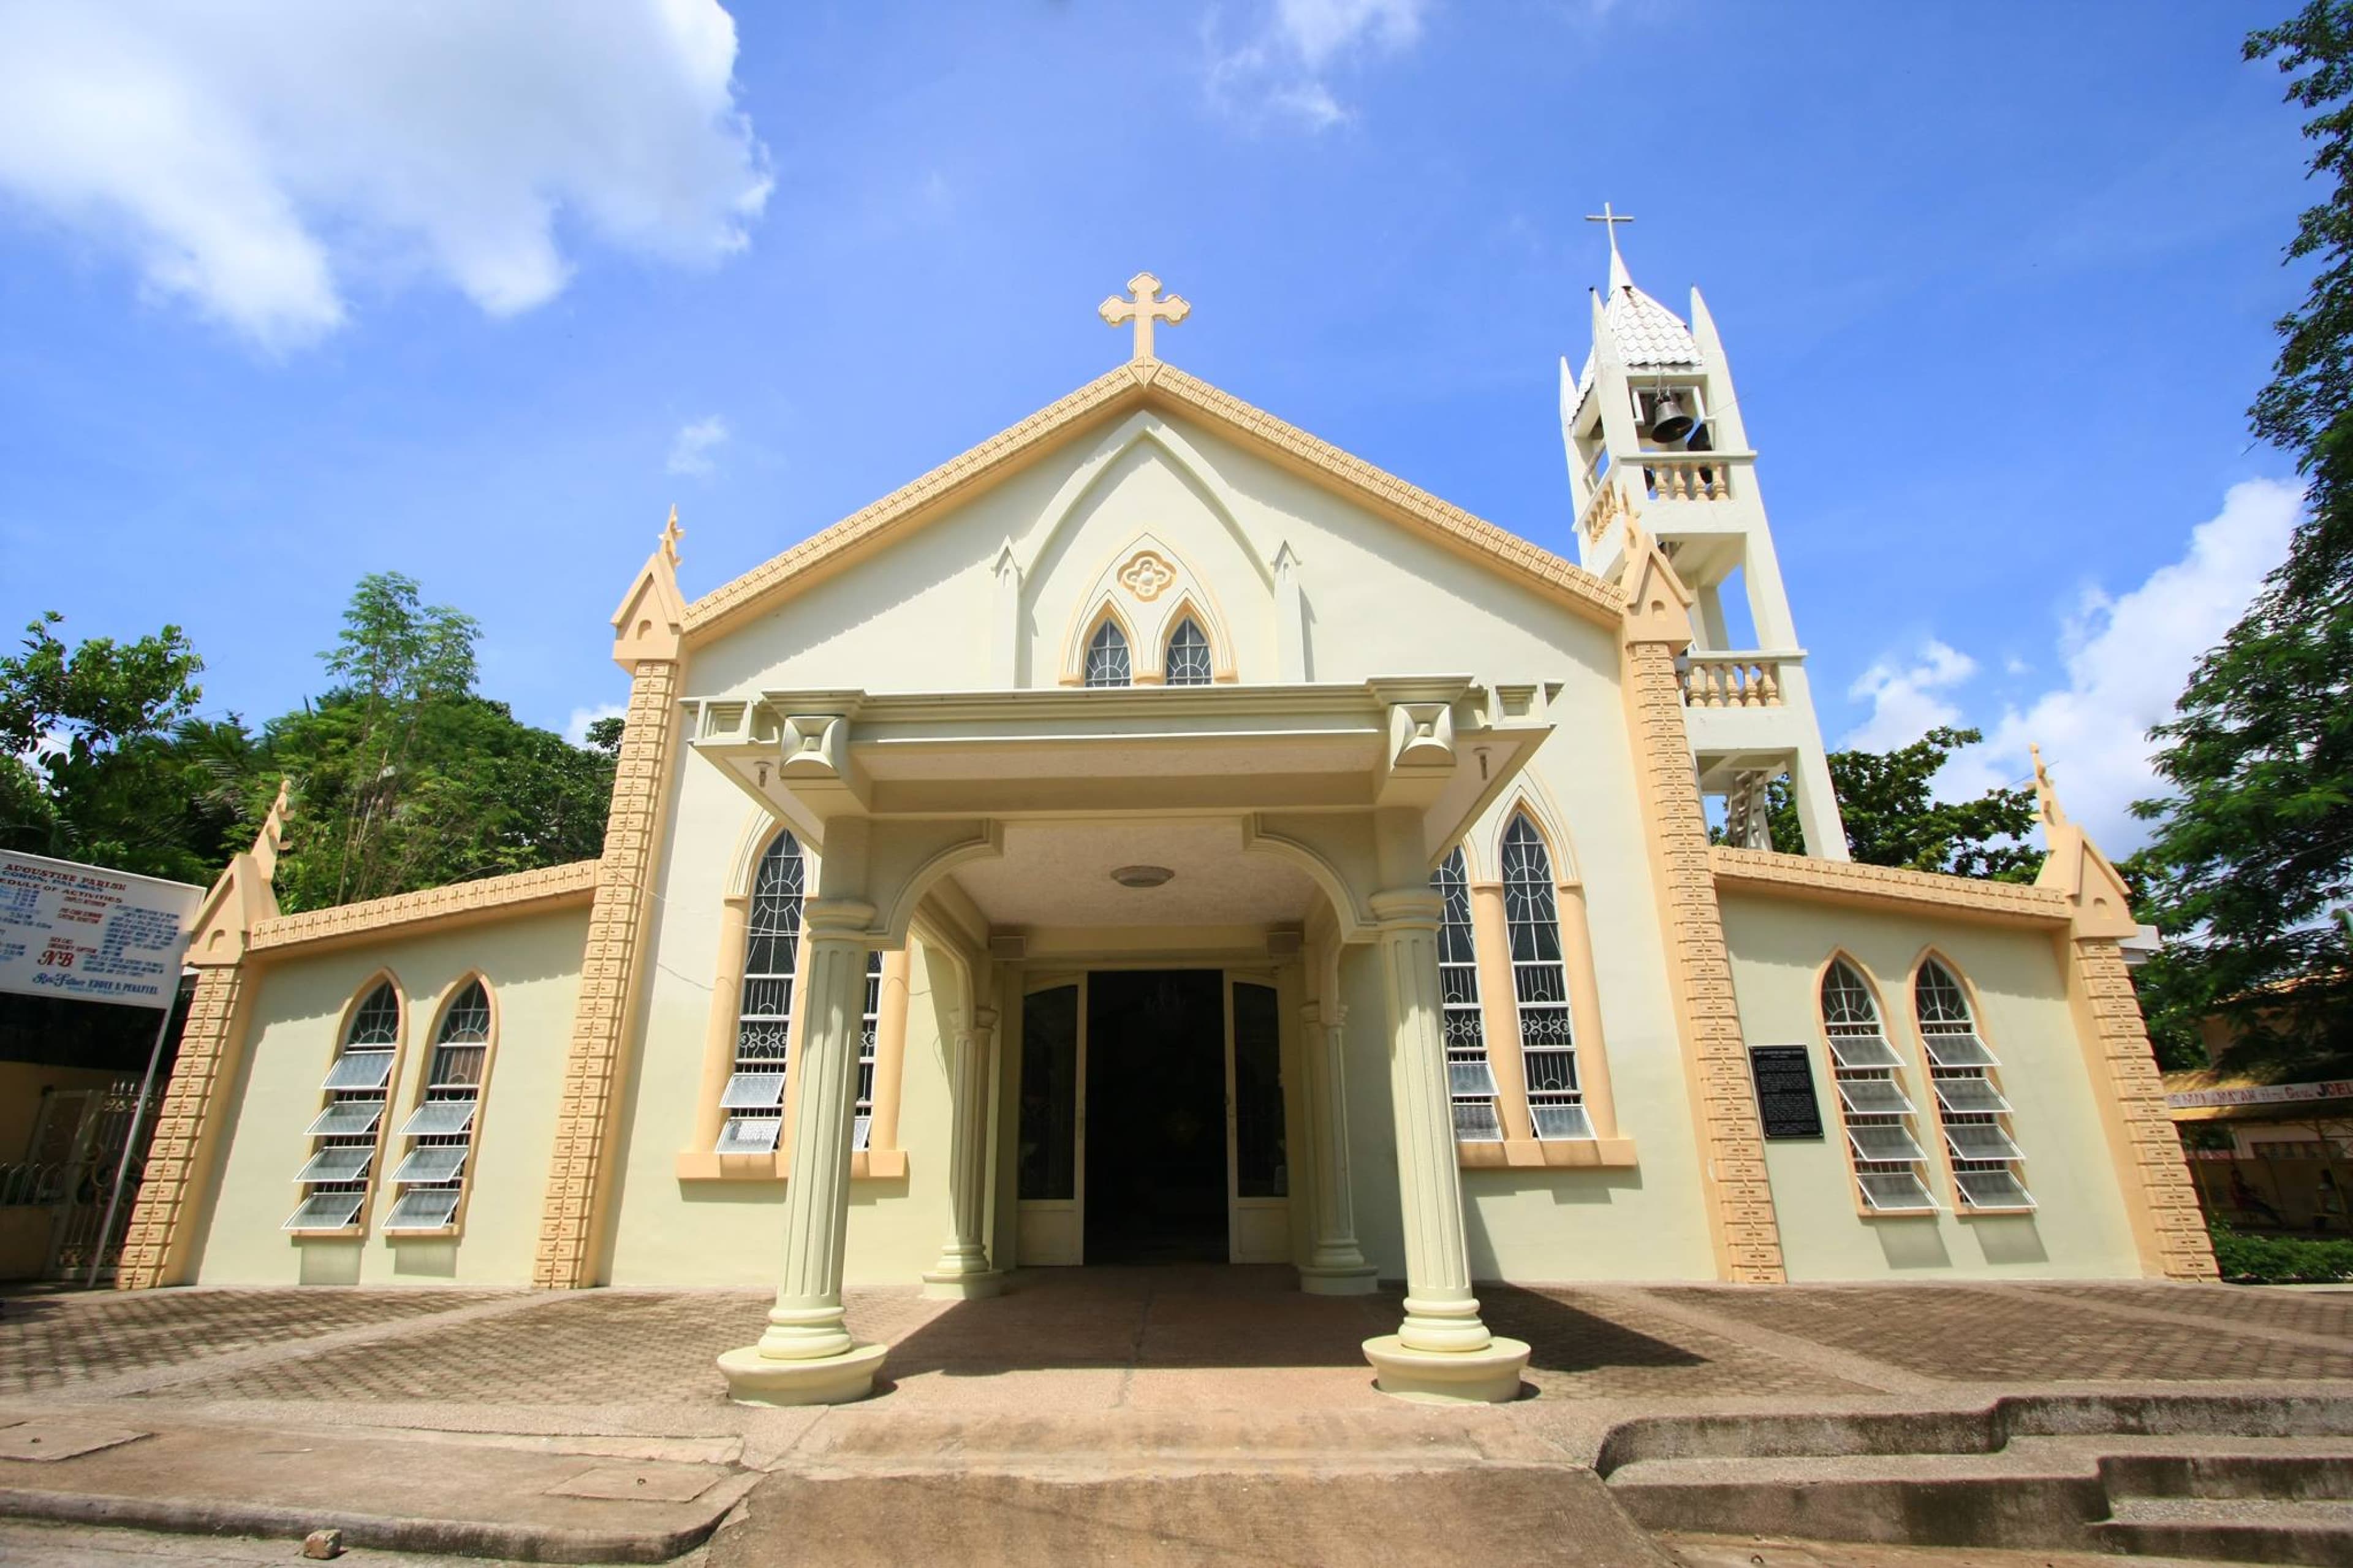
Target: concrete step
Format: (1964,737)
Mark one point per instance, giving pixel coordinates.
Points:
(2236,1529)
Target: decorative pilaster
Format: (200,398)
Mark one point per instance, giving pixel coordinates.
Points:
(1338,1266)
(1739,1193)
(963,1271)
(648,642)
(1443,1351)
(807,1356)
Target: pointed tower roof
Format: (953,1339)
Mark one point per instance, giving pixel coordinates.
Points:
(1648,335)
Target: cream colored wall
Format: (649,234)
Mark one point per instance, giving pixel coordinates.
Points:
(531,965)
(2079,1228)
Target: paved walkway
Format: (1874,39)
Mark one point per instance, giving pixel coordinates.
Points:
(1197,1377)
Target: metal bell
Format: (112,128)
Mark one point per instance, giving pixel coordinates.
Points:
(1668,420)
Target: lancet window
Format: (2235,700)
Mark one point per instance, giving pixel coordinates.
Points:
(1188,655)
(1107,657)
(1878,1115)
(754,1097)
(1969,1103)
(345,1134)
(1470,1082)
(1540,985)
(869,1021)
(440,1130)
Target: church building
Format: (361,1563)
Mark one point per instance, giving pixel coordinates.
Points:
(1158,834)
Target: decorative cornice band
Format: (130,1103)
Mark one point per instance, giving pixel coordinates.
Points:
(380,917)
(1747,870)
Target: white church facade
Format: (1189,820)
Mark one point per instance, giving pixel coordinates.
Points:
(1158,833)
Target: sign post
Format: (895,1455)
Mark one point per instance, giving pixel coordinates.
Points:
(94,935)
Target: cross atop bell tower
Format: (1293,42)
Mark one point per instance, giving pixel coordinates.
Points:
(1143,308)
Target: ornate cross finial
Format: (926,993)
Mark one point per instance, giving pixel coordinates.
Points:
(670,534)
(1145,308)
(2046,797)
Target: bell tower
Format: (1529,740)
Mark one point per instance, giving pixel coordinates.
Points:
(1654,433)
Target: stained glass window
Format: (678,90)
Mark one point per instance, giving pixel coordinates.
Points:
(1888,1160)
(1969,1103)
(867,1020)
(1470,1082)
(1188,655)
(441,1130)
(1540,985)
(755,1096)
(334,1177)
(1107,656)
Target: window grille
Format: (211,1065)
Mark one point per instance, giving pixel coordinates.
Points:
(334,1178)
(863,1127)
(1188,655)
(755,1096)
(440,1130)
(1470,1082)
(1969,1102)
(1540,987)
(1889,1162)
(1107,656)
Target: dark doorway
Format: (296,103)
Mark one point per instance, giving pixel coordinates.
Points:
(1155,1116)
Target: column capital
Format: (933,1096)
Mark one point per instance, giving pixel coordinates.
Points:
(1406,909)
(983,1018)
(837,920)
(1325,1013)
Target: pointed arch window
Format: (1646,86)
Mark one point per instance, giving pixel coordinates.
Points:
(1540,985)
(753,1098)
(1188,656)
(432,1179)
(1969,1104)
(345,1134)
(1469,1081)
(868,1026)
(1888,1161)
(1107,660)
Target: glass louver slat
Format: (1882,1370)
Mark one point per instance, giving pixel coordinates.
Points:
(750,1135)
(862,1129)
(326,1211)
(1470,1077)
(1476,1122)
(1895,1192)
(753,1091)
(1981,1141)
(432,1163)
(1958,1050)
(438,1119)
(1864,1051)
(1992,1189)
(347,1118)
(427,1208)
(339,1162)
(1557,1121)
(1884,1141)
(360,1070)
(1872,1096)
(1972,1094)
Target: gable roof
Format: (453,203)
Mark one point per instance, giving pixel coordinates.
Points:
(1149,384)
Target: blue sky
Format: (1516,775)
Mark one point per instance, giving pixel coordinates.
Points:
(290,295)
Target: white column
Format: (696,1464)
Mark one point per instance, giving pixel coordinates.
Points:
(807,1356)
(1443,1351)
(963,1271)
(1338,1266)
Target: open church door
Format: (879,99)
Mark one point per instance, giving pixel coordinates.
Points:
(1258,1142)
(1051,1169)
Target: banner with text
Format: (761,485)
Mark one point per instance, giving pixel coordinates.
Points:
(86,932)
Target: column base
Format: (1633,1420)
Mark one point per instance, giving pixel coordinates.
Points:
(1488,1376)
(963,1286)
(1362,1279)
(754,1379)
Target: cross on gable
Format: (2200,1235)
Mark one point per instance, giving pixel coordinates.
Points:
(1143,308)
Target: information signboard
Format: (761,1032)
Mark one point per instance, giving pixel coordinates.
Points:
(1785,1101)
(90,933)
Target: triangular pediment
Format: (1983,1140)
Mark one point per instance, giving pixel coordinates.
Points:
(1157,387)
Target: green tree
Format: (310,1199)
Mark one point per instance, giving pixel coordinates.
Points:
(1893,818)
(2253,847)
(89,768)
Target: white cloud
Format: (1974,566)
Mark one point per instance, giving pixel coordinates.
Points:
(254,159)
(2125,660)
(1283,68)
(1909,699)
(690,449)
(576,729)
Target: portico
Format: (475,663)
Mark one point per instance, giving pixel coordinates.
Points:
(1263,828)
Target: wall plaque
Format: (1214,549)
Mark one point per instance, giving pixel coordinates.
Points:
(1784,1090)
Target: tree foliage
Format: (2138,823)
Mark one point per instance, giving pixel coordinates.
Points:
(1892,818)
(404,776)
(2254,847)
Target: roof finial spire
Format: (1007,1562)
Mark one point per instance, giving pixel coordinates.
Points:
(1610,219)
(2046,796)
(1143,307)
(670,534)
